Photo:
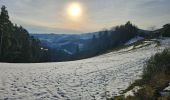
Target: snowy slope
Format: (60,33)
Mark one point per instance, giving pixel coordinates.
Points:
(83,79)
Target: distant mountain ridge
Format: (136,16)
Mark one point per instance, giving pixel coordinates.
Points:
(65,41)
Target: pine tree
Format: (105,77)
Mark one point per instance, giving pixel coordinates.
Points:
(6,27)
(15,43)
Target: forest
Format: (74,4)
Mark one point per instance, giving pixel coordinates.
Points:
(16,45)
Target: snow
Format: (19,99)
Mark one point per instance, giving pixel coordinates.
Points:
(68,52)
(165,42)
(133,40)
(167,88)
(131,92)
(86,79)
(166,91)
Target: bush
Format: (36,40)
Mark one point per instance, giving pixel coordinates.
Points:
(157,63)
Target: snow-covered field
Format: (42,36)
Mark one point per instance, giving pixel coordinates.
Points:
(87,79)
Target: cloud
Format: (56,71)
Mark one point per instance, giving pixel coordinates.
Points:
(43,15)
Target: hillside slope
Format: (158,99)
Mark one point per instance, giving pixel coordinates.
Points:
(83,79)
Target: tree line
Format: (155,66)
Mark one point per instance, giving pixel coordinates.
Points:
(98,44)
(15,43)
(108,39)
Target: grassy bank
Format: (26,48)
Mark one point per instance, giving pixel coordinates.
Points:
(155,78)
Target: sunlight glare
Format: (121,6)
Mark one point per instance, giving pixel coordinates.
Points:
(75,10)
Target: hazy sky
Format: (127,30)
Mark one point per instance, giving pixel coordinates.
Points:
(51,16)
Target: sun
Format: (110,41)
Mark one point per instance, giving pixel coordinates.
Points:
(75,10)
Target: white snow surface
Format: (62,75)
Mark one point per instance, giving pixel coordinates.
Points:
(75,80)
